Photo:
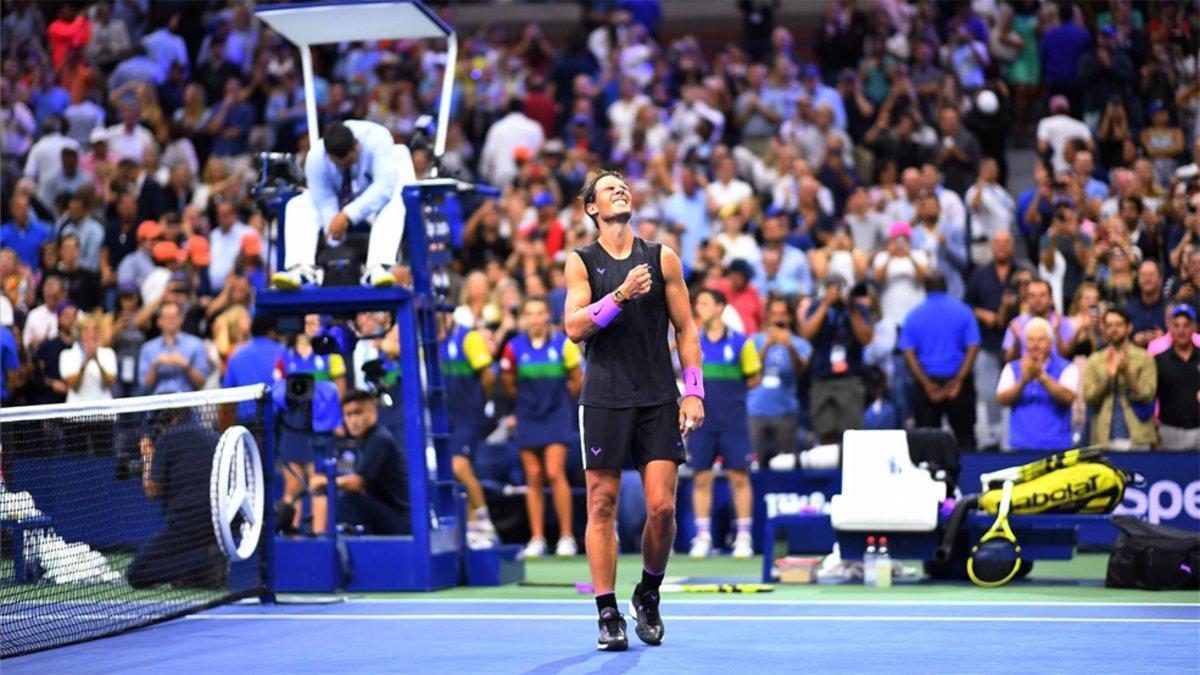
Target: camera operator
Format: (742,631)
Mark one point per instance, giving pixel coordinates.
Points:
(838,328)
(375,495)
(303,371)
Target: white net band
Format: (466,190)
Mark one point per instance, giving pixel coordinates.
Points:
(134,405)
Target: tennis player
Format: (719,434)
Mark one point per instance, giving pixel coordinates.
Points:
(621,293)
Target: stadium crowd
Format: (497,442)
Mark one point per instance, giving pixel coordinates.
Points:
(843,187)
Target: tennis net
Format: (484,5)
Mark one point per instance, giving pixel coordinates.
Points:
(118,514)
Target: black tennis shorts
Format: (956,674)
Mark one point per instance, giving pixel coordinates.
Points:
(628,438)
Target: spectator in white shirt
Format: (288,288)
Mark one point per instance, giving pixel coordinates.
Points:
(226,243)
(42,322)
(129,140)
(622,113)
(992,209)
(1054,131)
(727,188)
(45,157)
(89,369)
(515,130)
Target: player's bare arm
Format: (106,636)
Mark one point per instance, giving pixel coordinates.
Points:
(687,339)
(584,319)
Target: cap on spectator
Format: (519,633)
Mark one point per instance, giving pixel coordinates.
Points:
(542,200)
(522,153)
(64,307)
(168,251)
(1182,309)
(127,288)
(847,75)
(1108,30)
(581,119)
(98,135)
(1155,106)
(149,229)
(1059,104)
(199,251)
(987,102)
(739,266)
(252,243)
(554,146)
(727,210)
(810,70)
(899,228)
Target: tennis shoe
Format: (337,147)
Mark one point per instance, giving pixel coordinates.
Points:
(566,547)
(612,631)
(743,546)
(295,277)
(701,547)
(643,607)
(536,548)
(380,276)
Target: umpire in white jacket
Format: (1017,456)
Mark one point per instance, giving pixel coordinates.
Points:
(355,174)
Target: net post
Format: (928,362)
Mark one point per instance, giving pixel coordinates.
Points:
(267,561)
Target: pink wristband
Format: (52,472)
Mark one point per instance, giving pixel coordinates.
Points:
(604,310)
(693,382)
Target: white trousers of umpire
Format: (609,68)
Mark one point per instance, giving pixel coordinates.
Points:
(302,226)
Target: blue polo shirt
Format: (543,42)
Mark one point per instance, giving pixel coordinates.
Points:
(940,330)
(1144,317)
(27,241)
(253,363)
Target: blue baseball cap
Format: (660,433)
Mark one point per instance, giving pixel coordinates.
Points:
(543,199)
(1155,106)
(810,70)
(1183,309)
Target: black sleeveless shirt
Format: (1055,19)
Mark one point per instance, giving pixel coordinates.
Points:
(629,361)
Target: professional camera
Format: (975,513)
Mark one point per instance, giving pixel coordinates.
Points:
(279,172)
(375,371)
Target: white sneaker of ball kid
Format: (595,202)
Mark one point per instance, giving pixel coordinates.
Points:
(743,547)
(566,547)
(701,547)
(536,548)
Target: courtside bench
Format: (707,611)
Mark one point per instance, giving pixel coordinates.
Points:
(1041,537)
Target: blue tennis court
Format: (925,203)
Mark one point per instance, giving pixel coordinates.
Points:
(720,635)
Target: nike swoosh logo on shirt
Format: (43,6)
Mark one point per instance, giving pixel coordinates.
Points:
(601,270)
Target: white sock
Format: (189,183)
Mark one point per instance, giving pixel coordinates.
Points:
(482,516)
(704,527)
(743,526)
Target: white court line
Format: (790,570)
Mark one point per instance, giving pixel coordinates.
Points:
(691,598)
(716,619)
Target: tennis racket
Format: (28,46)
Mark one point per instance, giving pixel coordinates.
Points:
(996,559)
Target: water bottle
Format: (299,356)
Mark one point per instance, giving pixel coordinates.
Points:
(883,566)
(869,563)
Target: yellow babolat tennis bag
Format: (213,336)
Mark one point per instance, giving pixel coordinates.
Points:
(1076,481)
